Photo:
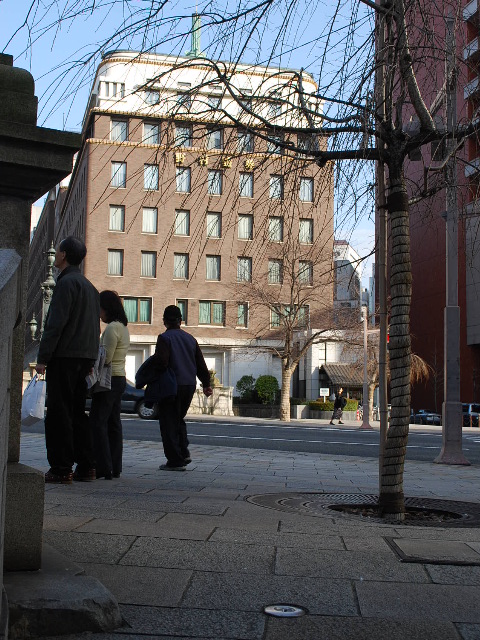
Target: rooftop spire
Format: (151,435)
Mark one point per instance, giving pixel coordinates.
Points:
(195,51)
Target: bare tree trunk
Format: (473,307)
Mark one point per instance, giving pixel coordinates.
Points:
(285,394)
(391,499)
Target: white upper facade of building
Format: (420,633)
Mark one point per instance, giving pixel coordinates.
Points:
(157,85)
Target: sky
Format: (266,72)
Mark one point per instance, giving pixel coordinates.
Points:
(62,61)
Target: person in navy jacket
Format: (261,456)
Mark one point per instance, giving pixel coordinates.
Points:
(180,351)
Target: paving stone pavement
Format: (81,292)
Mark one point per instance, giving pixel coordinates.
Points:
(187,557)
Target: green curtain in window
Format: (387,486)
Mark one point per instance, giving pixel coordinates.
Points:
(145,310)
(130,306)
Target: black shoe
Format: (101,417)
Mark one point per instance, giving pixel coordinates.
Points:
(107,475)
(169,467)
(187,460)
(340,422)
(116,475)
(88,475)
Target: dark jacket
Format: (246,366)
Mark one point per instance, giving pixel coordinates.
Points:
(340,402)
(72,325)
(179,350)
(161,383)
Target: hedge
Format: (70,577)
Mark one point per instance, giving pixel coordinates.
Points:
(317,405)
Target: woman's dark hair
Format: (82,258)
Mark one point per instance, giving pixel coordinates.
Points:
(113,307)
(75,250)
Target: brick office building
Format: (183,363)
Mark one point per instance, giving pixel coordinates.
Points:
(180,203)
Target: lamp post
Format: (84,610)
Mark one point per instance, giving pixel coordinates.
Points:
(366,418)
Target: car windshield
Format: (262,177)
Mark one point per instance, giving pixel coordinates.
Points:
(476,408)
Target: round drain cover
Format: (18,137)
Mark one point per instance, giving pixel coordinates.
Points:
(284,611)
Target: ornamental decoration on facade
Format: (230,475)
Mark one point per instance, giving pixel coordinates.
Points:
(179,158)
(203,160)
(249,164)
(226,163)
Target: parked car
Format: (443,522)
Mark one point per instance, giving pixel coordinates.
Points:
(427,417)
(471,414)
(133,401)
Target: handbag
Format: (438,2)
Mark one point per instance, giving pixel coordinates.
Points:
(33,401)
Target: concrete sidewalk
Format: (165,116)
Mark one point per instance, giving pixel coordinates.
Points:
(187,557)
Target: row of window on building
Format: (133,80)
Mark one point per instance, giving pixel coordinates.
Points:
(213,222)
(183,182)
(213,267)
(213,139)
(213,312)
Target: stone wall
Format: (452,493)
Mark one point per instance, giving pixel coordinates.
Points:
(219,404)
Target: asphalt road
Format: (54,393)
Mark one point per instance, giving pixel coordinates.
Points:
(325,439)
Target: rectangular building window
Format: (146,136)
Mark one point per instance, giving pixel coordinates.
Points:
(274,108)
(275,229)
(275,271)
(119,131)
(115,262)
(214,138)
(112,89)
(119,175)
(276,187)
(138,310)
(305,234)
(149,220)
(305,142)
(183,136)
(183,179)
(183,306)
(151,133)
(182,223)
(150,177)
(245,185)
(306,189)
(245,227)
(244,142)
(242,315)
(213,267)
(273,144)
(180,266)
(149,264)
(214,225)
(303,316)
(305,272)
(214,102)
(210,312)
(244,269)
(152,96)
(184,101)
(215,182)
(275,318)
(116,221)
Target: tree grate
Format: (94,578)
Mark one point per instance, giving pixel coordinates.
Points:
(425,512)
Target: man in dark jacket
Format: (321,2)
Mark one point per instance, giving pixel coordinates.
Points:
(179,350)
(67,351)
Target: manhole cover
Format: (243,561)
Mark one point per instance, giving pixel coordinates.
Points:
(429,512)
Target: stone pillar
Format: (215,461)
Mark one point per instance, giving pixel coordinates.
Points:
(32,161)
(10,297)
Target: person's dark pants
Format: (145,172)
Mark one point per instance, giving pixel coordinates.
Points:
(172,411)
(107,427)
(67,428)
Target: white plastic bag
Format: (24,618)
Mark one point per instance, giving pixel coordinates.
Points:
(33,401)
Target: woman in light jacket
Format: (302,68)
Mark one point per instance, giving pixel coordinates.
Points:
(105,411)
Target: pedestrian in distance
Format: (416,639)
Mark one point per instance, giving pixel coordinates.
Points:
(180,351)
(106,404)
(338,406)
(67,352)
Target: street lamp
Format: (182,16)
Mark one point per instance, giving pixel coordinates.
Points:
(366,421)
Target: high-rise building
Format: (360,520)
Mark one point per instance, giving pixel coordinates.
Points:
(183,197)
